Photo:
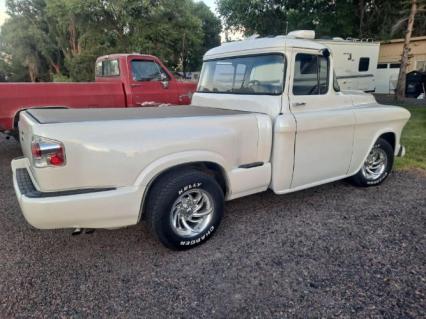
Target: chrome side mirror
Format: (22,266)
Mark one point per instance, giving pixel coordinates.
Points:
(164,80)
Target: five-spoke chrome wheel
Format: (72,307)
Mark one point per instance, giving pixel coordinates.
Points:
(375,164)
(192,212)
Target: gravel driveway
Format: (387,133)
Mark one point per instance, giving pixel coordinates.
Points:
(331,251)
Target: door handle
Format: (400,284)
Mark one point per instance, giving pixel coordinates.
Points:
(299,104)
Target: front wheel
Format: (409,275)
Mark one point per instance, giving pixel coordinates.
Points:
(184,208)
(377,165)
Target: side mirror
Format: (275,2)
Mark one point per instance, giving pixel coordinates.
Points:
(326,53)
(164,80)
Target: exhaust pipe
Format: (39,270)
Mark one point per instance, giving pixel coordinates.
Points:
(76,232)
(79,231)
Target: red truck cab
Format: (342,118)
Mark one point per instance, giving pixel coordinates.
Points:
(122,80)
(145,79)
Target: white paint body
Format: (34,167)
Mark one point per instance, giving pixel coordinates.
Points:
(326,139)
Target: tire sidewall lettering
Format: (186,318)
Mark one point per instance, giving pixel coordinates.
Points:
(188,187)
(198,239)
(379,180)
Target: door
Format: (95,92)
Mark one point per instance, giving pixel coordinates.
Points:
(151,85)
(324,121)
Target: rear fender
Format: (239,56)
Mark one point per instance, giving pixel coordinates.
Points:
(162,164)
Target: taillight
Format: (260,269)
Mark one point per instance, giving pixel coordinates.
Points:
(47,152)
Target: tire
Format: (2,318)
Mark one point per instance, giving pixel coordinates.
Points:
(372,174)
(171,209)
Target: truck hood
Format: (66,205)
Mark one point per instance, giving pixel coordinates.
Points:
(50,116)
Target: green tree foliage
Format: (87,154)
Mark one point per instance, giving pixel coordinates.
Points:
(344,18)
(60,39)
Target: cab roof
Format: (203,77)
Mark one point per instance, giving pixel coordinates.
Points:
(125,55)
(255,45)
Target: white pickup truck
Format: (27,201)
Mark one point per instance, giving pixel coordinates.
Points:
(267,114)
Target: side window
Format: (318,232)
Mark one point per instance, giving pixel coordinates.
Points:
(311,74)
(107,68)
(147,71)
(323,75)
(382,66)
(364,64)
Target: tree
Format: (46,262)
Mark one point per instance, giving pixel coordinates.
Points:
(211,28)
(60,39)
(344,18)
(24,38)
(400,88)
(275,17)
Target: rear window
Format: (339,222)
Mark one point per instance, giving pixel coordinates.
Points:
(107,68)
(261,74)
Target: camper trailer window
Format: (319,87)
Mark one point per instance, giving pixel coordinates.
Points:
(395,65)
(364,64)
(311,74)
(382,66)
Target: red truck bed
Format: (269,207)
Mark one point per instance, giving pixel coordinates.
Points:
(15,96)
(122,80)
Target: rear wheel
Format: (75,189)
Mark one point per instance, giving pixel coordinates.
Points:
(377,165)
(184,208)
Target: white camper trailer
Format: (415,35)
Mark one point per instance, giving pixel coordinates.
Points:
(355,62)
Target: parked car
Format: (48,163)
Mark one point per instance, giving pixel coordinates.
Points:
(267,113)
(122,80)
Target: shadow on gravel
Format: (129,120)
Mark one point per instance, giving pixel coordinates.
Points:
(330,251)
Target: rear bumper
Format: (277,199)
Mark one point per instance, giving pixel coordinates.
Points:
(87,208)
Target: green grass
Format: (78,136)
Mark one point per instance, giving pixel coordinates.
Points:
(414,140)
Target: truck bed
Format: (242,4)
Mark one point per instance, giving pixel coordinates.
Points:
(44,116)
(17,96)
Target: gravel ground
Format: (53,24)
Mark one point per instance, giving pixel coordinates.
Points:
(331,251)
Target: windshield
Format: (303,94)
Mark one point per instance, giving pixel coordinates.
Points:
(261,74)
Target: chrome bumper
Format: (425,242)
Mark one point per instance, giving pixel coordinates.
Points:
(102,208)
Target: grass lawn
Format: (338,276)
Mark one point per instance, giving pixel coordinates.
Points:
(414,140)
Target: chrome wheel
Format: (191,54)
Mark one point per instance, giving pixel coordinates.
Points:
(375,164)
(192,212)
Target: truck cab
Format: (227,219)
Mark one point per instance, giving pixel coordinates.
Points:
(292,80)
(146,81)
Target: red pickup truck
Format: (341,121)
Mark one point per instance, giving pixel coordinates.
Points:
(122,80)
